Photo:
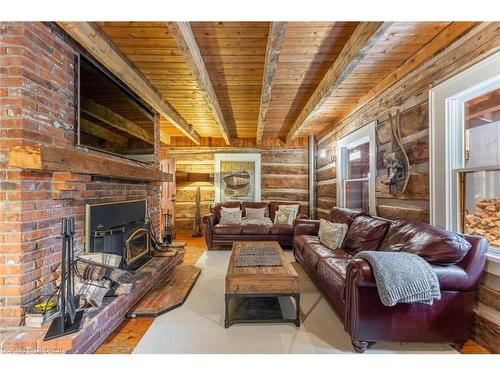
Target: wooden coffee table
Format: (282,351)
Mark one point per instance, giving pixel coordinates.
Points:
(251,286)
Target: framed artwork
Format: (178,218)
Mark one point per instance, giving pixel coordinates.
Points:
(237,177)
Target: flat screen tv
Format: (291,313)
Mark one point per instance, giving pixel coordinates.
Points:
(110,117)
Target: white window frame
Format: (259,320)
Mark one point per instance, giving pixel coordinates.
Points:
(356,138)
(446,133)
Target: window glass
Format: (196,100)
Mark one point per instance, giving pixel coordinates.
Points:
(480,196)
(482,130)
(358,163)
(357,195)
(481,205)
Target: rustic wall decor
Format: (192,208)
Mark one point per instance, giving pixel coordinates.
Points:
(237,177)
(396,160)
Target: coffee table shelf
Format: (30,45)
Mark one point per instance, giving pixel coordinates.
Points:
(261,294)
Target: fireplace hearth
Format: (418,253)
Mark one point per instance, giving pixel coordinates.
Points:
(120,228)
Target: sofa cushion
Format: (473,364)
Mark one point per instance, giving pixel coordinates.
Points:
(434,244)
(333,272)
(273,207)
(255,213)
(282,229)
(365,233)
(344,215)
(263,205)
(331,234)
(286,214)
(255,229)
(227,229)
(230,217)
(314,252)
(218,206)
(300,241)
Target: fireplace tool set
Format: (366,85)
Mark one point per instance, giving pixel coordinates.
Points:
(69,320)
(168,231)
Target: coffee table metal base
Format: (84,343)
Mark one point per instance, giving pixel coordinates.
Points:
(241,318)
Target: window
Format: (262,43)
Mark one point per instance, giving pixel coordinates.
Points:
(356,172)
(479,181)
(465,152)
(358,177)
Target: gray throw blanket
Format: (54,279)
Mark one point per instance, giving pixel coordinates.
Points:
(402,277)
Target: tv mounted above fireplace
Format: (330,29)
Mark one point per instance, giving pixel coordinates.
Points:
(111,118)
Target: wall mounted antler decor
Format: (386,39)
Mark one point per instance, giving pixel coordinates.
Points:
(396,159)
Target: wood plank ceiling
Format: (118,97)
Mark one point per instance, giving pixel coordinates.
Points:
(399,43)
(234,54)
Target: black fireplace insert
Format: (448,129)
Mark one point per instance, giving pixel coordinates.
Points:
(120,228)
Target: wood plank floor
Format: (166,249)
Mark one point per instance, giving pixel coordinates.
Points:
(130,332)
(168,294)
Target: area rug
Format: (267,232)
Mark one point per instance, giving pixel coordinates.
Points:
(197,326)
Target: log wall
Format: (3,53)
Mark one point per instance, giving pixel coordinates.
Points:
(284,172)
(410,96)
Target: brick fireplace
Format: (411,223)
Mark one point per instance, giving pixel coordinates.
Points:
(37,95)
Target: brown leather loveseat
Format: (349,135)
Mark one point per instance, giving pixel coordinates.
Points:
(218,235)
(349,284)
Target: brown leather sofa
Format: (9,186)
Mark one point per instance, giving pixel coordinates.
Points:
(223,235)
(349,284)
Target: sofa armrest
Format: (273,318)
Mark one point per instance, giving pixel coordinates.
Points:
(209,219)
(306,227)
(359,273)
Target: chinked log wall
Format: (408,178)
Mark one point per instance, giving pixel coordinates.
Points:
(410,95)
(284,172)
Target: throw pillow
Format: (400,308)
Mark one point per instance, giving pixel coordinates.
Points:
(255,213)
(331,234)
(229,209)
(230,217)
(286,214)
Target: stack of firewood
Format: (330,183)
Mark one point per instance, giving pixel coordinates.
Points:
(485,221)
(97,279)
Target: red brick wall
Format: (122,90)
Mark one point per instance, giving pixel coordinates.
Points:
(37,106)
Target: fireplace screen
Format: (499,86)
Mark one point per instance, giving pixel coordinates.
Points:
(137,245)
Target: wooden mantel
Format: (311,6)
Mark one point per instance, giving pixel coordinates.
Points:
(57,159)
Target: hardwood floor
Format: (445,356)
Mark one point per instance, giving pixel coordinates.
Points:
(130,332)
(471,347)
(126,337)
(168,294)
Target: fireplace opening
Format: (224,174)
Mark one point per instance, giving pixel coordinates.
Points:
(120,228)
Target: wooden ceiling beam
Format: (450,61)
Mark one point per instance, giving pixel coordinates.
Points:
(277,31)
(97,43)
(366,35)
(185,40)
